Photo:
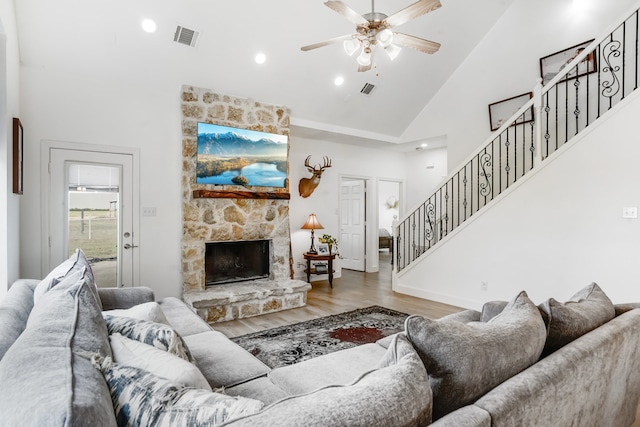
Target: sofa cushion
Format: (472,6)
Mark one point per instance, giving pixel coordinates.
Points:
(14,312)
(46,376)
(261,389)
(464,361)
(158,335)
(122,298)
(393,395)
(588,309)
(149,311)
(75,262)
(339,367)
(183,319)
(143,399)
(223,362)
(159,362)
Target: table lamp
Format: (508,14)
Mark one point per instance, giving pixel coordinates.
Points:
(312,224)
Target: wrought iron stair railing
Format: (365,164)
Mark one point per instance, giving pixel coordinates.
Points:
(594,82)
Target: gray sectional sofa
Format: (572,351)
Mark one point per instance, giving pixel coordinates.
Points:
(469,369)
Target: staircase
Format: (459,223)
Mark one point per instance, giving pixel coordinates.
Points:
(590,85)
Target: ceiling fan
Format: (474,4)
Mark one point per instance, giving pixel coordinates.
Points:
(375,29)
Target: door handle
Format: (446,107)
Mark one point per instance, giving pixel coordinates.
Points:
(128,246)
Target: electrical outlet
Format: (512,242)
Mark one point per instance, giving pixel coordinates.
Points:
(484,286)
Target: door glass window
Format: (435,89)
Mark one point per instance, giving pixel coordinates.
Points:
(93,217)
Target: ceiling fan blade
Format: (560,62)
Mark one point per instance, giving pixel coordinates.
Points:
(426,46)
(327,42)
(412,11)
(347,12)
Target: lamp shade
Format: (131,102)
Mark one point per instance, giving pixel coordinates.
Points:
(312,223)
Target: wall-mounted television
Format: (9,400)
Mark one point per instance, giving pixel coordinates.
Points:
(233,156)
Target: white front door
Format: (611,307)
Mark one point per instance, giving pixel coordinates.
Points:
(91,207)
(352,224)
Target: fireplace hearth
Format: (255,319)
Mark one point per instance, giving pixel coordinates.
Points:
(237,261)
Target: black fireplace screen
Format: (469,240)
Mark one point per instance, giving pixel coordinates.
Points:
(228,262)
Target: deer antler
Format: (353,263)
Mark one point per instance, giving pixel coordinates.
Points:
(316,168)
(327,163)
(307,165)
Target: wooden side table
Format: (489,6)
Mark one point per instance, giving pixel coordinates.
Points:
(312,270)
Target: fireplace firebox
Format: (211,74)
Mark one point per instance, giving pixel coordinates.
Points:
(237,261)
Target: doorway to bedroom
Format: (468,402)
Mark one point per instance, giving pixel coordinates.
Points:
(390,197)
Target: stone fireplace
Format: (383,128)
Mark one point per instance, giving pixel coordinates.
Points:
(231,215)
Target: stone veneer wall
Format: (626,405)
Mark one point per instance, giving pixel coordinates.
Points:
(221,219)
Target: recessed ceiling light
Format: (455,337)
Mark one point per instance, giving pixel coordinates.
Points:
(339,81)
(261,58)
(424,145)
(149,25)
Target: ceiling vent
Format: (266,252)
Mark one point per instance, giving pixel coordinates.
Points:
(186,36)
(367,89)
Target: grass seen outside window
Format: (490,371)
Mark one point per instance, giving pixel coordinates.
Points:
(95,232)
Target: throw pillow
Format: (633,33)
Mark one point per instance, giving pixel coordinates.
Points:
(159,362)
(76,262)
(150,311)
(158,335)
(464,361)
(584,312)
(46,377)
(491,309)
(142,399)
(15,307)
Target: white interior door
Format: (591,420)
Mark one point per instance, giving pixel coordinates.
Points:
(352,224)
(91,207)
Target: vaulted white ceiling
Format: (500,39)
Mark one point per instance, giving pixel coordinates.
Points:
(104,39)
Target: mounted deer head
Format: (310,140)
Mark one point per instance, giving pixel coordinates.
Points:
(307,185)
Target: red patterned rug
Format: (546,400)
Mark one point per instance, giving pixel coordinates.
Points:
(295,343)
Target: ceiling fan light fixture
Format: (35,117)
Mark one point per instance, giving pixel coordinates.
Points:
(384,37)
(393,51)
(364,58)
(351,46)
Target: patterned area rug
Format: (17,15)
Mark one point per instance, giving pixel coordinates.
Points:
(295,343)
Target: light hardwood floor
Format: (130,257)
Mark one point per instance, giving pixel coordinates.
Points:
(351,291)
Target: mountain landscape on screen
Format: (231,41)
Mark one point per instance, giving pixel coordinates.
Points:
(232,156)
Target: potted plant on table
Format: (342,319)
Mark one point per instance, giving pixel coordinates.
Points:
(332,242)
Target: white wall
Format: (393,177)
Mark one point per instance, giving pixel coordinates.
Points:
(9,108)
(62,105)
(560,230)
(347,161)
(506,63)
(425,171)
